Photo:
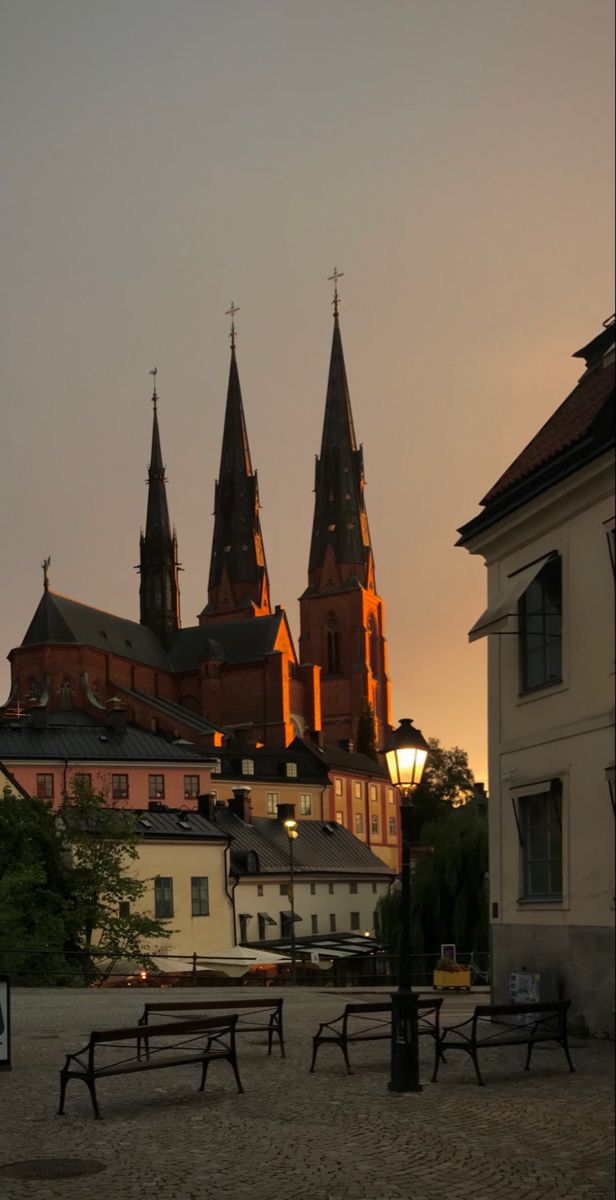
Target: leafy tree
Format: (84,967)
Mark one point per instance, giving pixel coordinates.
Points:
(366,732)
(103,842)
(447,782)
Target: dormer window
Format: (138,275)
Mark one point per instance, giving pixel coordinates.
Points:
(291,770)
(248,766)
(216,766)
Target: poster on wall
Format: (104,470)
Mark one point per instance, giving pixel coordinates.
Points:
(448,950)
(5,1024)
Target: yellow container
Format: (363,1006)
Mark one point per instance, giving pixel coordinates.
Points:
(451,979)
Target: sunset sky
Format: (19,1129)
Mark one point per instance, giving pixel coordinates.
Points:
(164,157)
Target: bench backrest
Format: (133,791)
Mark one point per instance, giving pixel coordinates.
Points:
(424,1008)
(543,1011)
(208,1005)
(226,1024)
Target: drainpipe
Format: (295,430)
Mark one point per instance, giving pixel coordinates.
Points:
(230,894)
(323,790)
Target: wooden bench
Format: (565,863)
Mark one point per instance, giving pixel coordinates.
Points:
(372,1022)
(254,1016)
(495,1025)
(200,1042)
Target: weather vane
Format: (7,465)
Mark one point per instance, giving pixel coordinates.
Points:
(334,278)
(45,565)
(154,372)
(231,313)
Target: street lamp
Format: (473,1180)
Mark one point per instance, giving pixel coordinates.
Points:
(406,756)
(292,832)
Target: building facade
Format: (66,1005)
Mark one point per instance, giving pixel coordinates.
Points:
(546,534)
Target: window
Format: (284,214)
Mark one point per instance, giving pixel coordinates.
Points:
(541,837)
(156,787)
(358,791)
(65,691)
(305,804)
(373,795)
(610,533)
(392,825)
(262,927)
(374,823)
(332,638)
(272,804)
(191,786)
(390,795)
(339,817)
(540,611)
(200,896)
(374,889)
(284,889)
(248,766)
(338,787)
(119,787)
(124,908)
(330,888)
(314,923)
(286,924)
(216,766)
(244,919)
(359,823)
(291,770)
(259,889)
(83,779)
(332,922)
(313,889)
(353,887)
(163,896)
(44,787)
(355,920)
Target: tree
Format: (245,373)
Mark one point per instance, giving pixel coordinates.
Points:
(103,842)
(366,732)
(447,783)
(34,893)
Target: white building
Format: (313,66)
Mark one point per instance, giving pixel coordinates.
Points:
(547,536)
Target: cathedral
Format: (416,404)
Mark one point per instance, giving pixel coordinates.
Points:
(236,674)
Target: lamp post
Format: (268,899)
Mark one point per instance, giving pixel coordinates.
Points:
(292,832)
(406,757)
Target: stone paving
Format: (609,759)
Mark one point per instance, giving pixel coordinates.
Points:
(543,1135)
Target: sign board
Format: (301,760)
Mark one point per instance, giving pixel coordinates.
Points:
(5,1024)
(448,950)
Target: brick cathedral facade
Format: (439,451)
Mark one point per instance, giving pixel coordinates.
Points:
(236,671)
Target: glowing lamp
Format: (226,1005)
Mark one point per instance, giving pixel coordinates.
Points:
(406,755)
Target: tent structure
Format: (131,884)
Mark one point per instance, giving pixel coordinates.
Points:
(238,960)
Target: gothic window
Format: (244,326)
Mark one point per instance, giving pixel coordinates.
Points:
(34,690)
(65,694)
(333,646)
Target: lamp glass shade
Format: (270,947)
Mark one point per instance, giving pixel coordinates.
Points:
(406,755)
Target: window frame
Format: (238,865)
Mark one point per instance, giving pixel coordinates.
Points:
(551,793)
(546,641)
(272,800)
(189,794)
(120,791)
(305,804)
(45,785)
(199,879)
(355,921)
(156,791)
(163,897)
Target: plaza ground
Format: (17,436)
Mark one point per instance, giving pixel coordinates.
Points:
(543,1135)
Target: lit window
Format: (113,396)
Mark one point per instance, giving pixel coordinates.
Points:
(359,823)
(200,898)
(119,787)
(156,787)
(392,825)
(163,896)
(191,786)
(216,766)
(373,795)
(390,795)
(248,766)
(358,791)
(272,803)
(374,825)
(305,804)
(291,770)
(340,818)
(44,787)
(338,787)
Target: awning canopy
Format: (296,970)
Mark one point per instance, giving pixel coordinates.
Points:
(266,917)
(347,945)
(498,614)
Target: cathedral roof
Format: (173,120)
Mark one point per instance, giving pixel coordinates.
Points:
(229,641)
(59,619)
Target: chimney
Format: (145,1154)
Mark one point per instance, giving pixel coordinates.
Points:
(239,804)
(157,806)
(316,737)
(347,744)
(286,812)
(206,805)
(117,718)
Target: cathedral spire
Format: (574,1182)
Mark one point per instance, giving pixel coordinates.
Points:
(340,527)
(159,592)
(238,583)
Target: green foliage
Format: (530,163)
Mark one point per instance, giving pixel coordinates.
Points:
(366,732)
(447,782)
(104,843)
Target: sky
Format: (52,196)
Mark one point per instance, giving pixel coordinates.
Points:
(453,158)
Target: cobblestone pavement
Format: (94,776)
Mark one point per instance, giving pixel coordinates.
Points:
(293,1136)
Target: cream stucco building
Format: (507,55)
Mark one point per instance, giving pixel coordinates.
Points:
(546,534)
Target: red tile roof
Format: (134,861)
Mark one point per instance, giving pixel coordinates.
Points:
(568,425)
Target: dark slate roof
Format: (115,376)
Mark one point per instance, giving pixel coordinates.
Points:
(226,641)
(168,708)
(271,764)
(177,823)
(19,740)
(321,847)
(334,757)
(59,619)
(580,429)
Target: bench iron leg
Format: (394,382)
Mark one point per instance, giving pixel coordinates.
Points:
(315,1048)
(92,1090)
(528,1056)
(565,1045)
(206,1063)
(473,1054)
(63,1083)
(233,1062)
(343,1047)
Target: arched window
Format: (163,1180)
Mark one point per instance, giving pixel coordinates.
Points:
(66,692)
(333,646)
(34,690)
(374,646)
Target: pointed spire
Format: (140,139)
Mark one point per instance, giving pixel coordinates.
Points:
(159,590)
(238,581)
(340,528)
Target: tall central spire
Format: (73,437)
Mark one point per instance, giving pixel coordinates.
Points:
(159,593)
(238,583)
(340,527)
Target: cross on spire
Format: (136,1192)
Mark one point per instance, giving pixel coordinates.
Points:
(154,372)
(334,278)
(231,313)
